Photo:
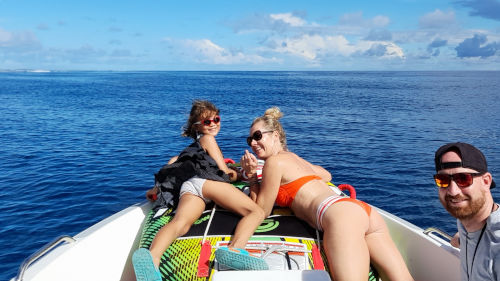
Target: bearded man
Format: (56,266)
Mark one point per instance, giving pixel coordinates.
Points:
(464,190)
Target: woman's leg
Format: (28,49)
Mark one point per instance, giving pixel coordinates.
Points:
(352,240)
(344,225)
(383,252)
(230,198)
(189,210)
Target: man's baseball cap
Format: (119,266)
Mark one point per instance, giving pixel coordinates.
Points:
(471,157)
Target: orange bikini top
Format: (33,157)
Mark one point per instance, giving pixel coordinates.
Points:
(287,192)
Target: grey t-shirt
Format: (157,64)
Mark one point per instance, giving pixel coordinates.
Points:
(483,264)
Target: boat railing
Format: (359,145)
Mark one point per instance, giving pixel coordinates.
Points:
(432,230)
(35,256)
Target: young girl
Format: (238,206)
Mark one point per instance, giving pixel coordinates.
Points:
(198,190)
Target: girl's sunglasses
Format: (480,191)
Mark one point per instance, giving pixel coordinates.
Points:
(257,136)
(208,122)
(461,179)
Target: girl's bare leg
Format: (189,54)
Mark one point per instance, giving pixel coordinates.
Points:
(189,210)
(230,198)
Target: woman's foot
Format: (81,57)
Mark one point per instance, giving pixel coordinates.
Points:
(239,259)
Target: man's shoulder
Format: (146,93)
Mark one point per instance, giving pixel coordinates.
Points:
(494,221)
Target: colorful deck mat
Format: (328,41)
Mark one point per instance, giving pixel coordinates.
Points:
(180,261)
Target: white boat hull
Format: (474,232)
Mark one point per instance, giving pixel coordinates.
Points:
(428,257)
(103,252)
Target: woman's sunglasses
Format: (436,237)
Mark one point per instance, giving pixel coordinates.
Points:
(208,122)
(461,179)
(257,136)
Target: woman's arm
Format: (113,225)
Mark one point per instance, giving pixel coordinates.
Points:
(209,143)
(172,160)
(322,172)
(249,164)
(151,194)
(271,180)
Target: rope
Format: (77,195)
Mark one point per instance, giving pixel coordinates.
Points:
(209,223)
(206,250)
(317,239)
(316,254)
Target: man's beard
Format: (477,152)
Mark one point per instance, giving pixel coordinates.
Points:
(469,211)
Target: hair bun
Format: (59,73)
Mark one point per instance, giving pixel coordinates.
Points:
(274,112)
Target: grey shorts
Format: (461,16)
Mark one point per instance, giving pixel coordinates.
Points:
(194,186)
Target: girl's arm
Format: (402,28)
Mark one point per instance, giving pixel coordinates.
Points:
(209,143)
(271,180)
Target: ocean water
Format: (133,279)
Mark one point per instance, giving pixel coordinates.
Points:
(76,147)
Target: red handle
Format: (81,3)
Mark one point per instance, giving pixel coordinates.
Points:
(350,188)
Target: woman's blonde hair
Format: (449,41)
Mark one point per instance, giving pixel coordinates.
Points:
(271,122)
(200,109)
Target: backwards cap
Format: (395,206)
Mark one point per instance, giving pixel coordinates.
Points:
(471,157)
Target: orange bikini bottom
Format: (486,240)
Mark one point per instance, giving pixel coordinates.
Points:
(320,212)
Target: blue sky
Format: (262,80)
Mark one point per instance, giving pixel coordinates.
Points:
(250,35)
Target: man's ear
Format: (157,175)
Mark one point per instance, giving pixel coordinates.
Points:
(487,179)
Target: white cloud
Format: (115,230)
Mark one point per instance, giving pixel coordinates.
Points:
(437,19)
(351,18)
(393,51)
(122,53)
(380,49)
(317,47)
(206,51)
(83,54)
(380,21)
(277,23)
(312,46)
(356,19)
(4,36)
(18,41)
(291,37)
(289,19)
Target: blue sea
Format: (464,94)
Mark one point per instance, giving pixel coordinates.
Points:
(76,147)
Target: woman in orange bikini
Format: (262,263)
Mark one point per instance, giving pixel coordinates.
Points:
(354,233)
